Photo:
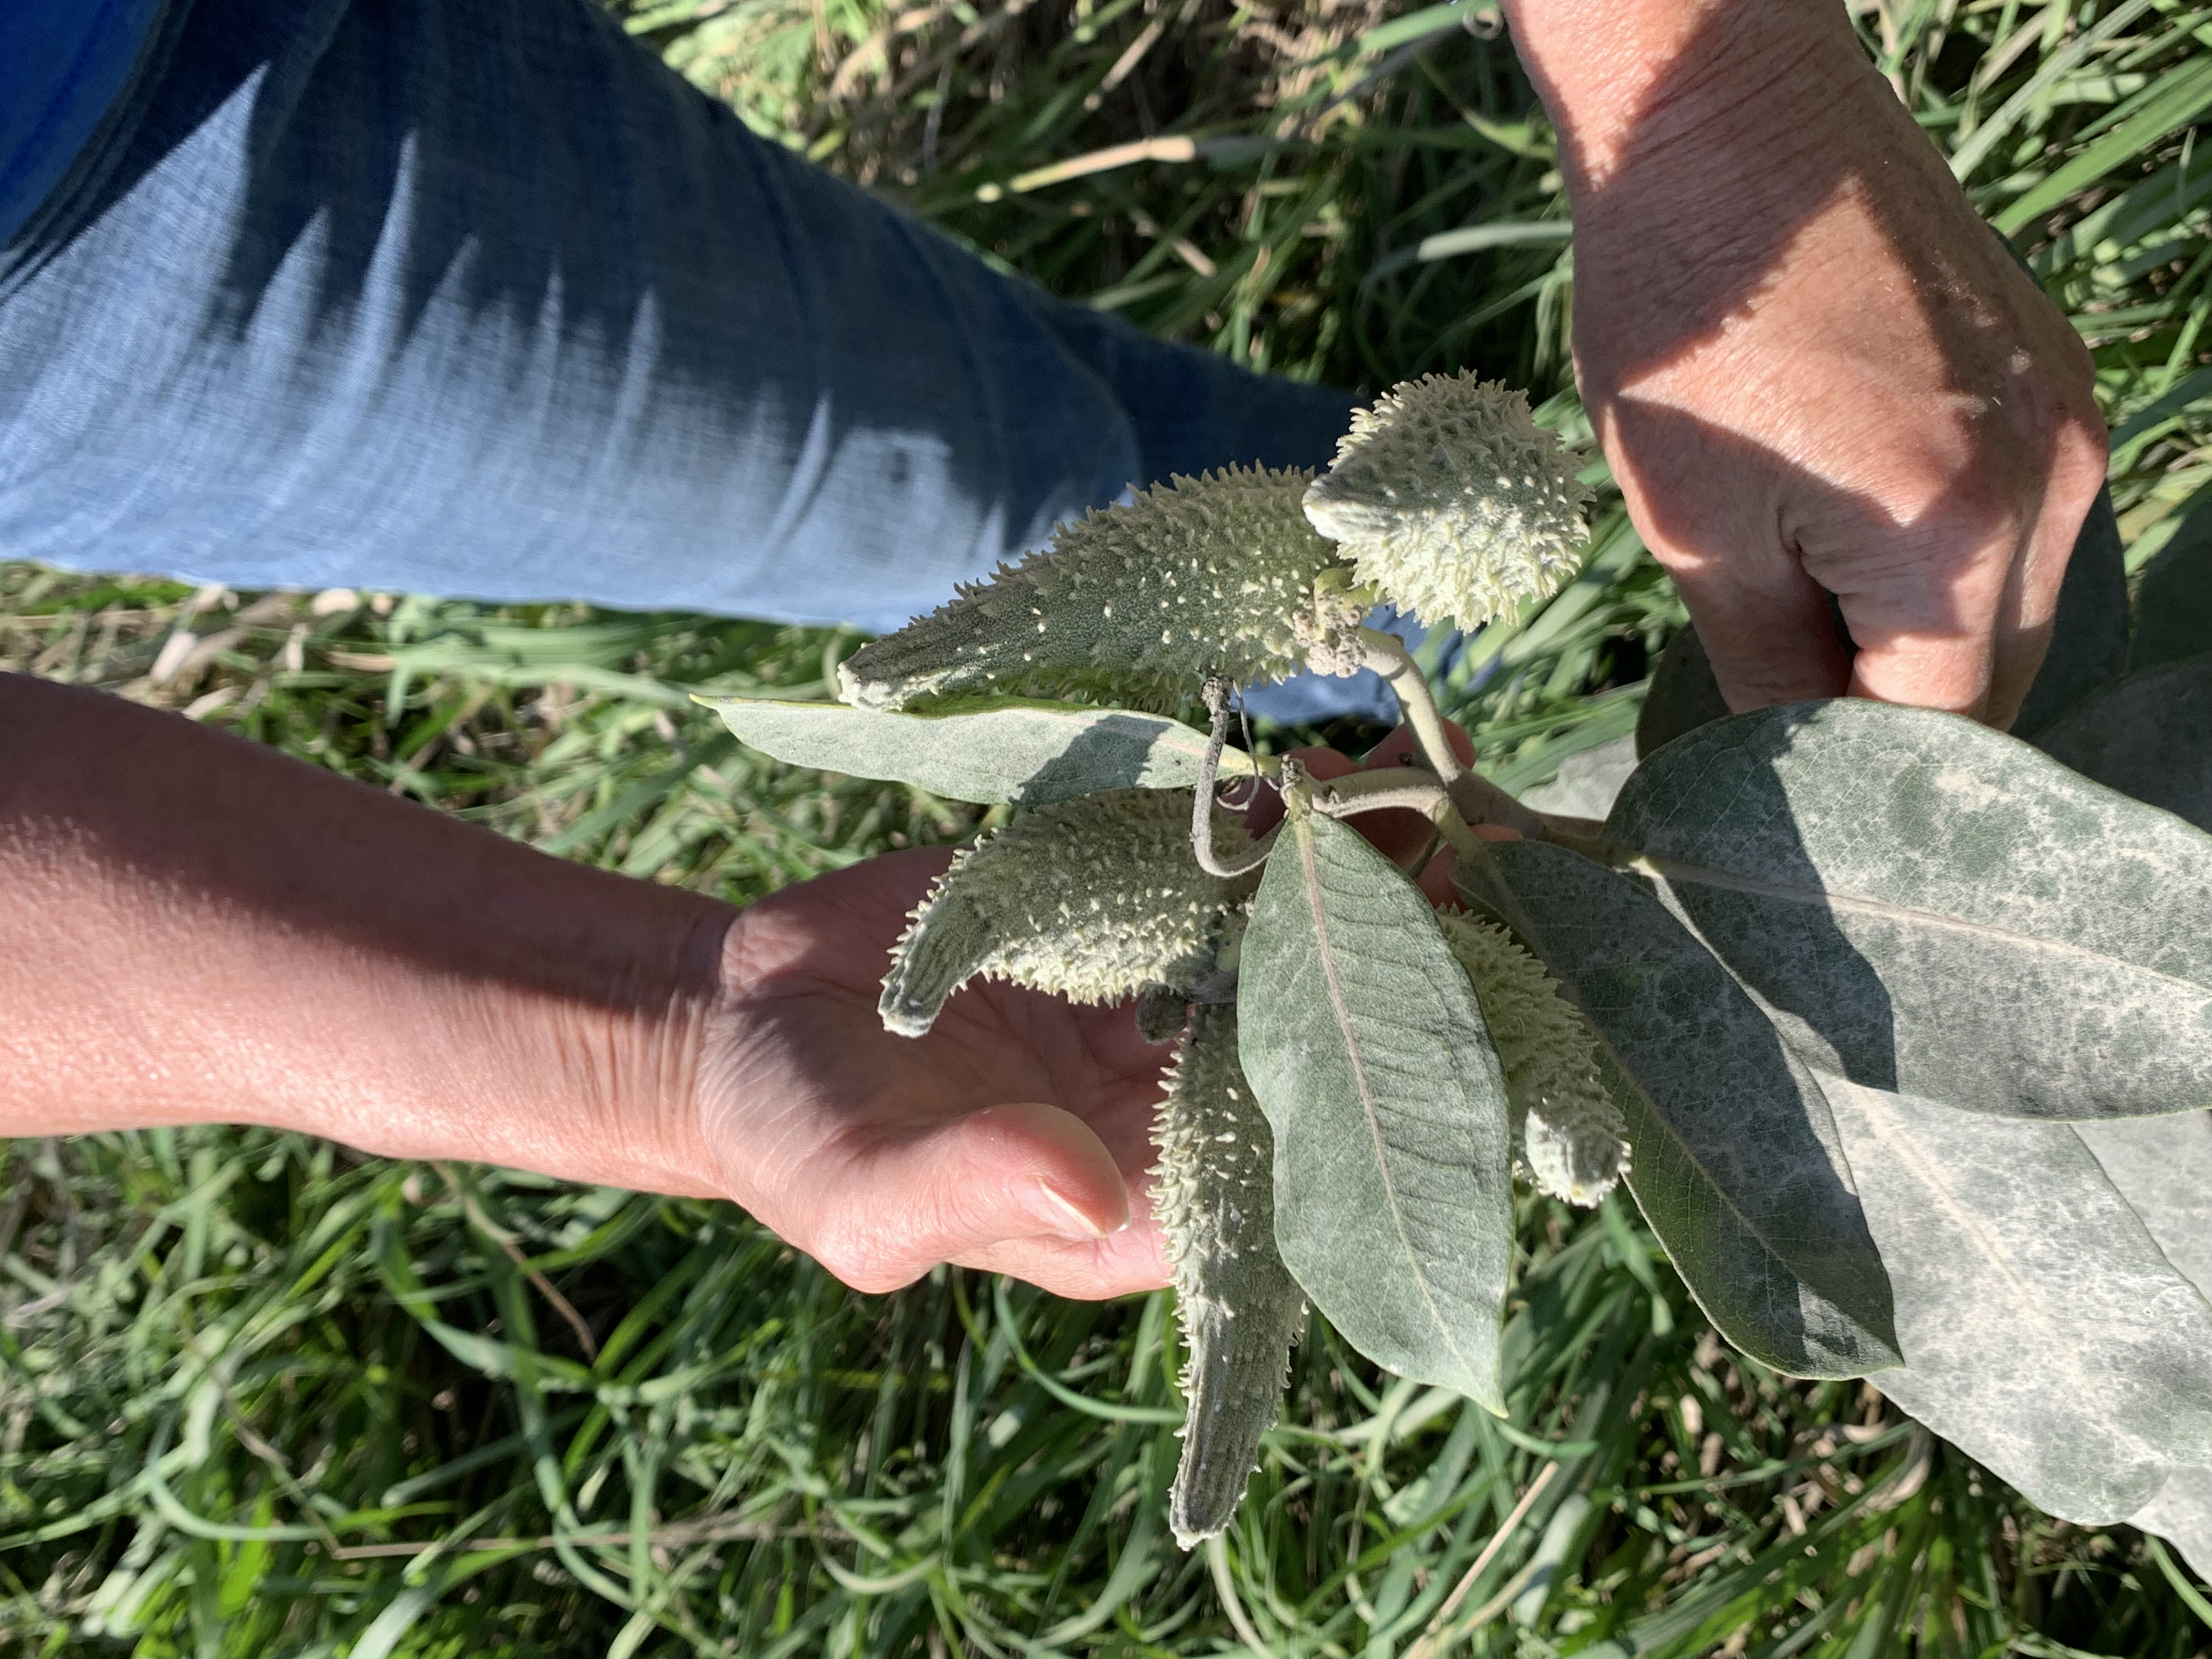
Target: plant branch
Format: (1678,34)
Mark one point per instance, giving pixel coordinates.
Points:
(1476,798)
(1404,787)
(1216,693)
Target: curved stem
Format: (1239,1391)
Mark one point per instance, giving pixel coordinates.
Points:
(1216,693)
(1477,799)
(1396,787)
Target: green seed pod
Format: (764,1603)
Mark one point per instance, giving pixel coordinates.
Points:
(1567,1133)
(1214,1194)
(1451,502)
(1094,899)
(1162,1013)
(1219,577)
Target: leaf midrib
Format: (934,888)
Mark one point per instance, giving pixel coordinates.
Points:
(1309,876)
(1682,872)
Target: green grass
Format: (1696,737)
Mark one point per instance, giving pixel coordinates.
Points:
(258,1395)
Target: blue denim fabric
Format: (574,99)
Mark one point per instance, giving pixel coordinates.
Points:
(478,298)
(62,65)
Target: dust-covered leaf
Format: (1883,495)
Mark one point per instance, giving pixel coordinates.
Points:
(2162,1167)
(1027,753)
(2150,737)
(1734,1157)
(1927,905)
(1366,1046)
(2044,1331)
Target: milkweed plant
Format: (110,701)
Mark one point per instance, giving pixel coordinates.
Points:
(1898,1029)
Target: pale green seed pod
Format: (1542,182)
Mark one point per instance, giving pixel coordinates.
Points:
(1219,577)
(1094,899)
(1214,1194)
(1451,502)
(1567,1132)
(1162,1013)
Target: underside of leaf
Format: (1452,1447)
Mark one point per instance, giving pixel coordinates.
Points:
(1394,1156)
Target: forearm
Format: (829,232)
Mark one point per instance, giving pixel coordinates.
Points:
(1641,82)
(199,930)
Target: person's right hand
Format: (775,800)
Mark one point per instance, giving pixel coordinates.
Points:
(1817,375)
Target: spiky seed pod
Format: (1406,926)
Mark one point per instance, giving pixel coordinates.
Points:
(1162,1013)
(1567,1132)
(1215,577)
(1094,899)
(1451,502)
(1214,1194)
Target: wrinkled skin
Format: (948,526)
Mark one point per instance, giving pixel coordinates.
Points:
(1015,1136)
(1818,375)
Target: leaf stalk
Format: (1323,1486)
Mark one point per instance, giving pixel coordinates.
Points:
(1475,798)
(1216,693)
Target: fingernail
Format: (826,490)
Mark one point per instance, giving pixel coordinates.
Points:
(1059,1211)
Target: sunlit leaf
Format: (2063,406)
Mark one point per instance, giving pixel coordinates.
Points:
(2044,1331)
(1028,753)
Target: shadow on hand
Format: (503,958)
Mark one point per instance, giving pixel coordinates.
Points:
(1819,376)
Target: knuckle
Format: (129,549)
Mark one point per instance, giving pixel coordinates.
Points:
(2079,460)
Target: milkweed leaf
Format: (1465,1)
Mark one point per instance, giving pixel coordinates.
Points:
(2044,1331)
(1026,753)
(1363,1039)
(1734,1159)
(2150,737)
(1926,905)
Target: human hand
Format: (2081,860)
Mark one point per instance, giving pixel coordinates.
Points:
(1814,370)
(1015,1136)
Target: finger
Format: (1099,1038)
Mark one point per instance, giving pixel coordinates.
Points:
(910,1198)
(1129,1261)
(2030,605)
(1769,640)
(1946,670)
(1925,615)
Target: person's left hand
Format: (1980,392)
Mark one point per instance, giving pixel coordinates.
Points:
(1010,1138)
(1015,1137)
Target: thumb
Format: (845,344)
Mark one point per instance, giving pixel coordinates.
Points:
(911,1197)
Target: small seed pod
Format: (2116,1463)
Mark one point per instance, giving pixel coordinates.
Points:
(1219,577)
(1094,900)
(1214,1194)
(1162,1013)
(1451,502)
(1567,1132)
